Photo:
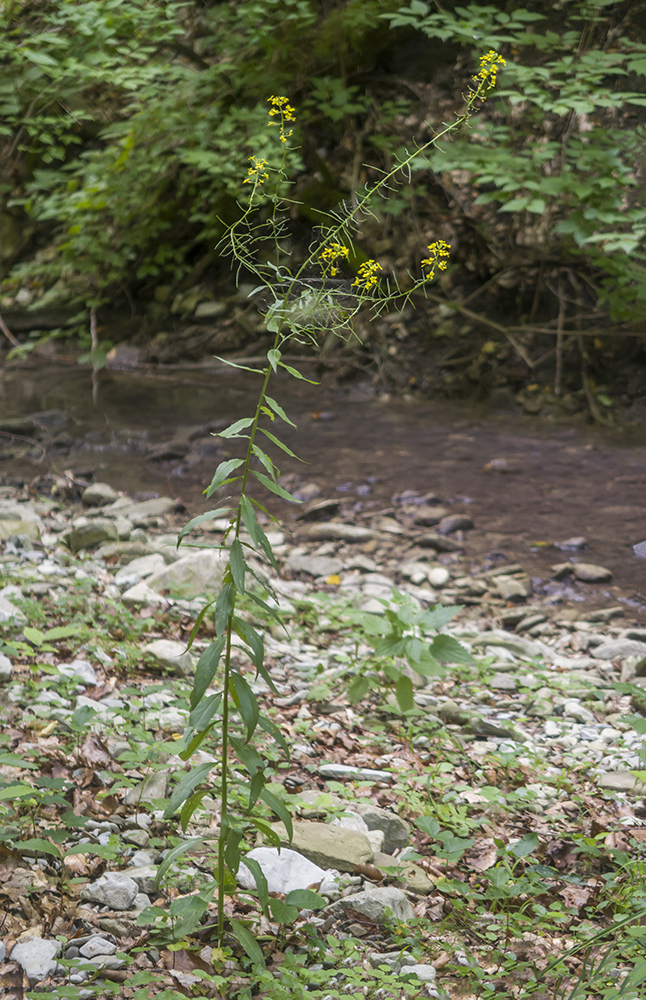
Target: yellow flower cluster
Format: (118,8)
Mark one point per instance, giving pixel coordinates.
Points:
(332,253)
(281,106)
(437,254)
(490,63)
(367,275)
(257,173)
(486,78)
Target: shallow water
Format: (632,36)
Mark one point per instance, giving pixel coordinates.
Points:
(548,482)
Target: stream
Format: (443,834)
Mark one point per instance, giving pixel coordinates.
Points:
(528,484)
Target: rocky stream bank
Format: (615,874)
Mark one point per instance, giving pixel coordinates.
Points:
(96,605)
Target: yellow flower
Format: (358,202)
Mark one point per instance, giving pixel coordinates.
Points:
(487,76)
(332,253)
(437,254)
(367,275)
(281,106)
(257,173)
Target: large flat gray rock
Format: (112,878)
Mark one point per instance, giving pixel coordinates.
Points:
(328,846)
(193,575)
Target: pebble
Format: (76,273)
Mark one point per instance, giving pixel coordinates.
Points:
(114,889)
(36,956)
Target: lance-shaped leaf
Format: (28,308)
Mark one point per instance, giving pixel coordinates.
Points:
(278,410)
(234,364)
(252,639)
(205,669)
(198,623)
(279,809)
(296,374)
(190,806)
(189,781)
(38,845)
(249,518)
(274,487)
(233,430)
(446,649)
(222,475)
(245,702)
(261,882)
(193,740)
(251,761)
(200,519)
(237,564)
(204,712)
(224,607)
(266,547)
(256,785)
(265,460)
(270,727)
(173,855)
(279,444)
(248,942)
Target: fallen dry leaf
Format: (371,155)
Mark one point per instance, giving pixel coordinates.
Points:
(482,855)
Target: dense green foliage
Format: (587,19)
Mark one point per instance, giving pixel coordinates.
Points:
(127,127)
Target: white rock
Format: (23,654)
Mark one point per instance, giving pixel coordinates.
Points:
(380,904)
(6,667)
(284,870)
(142,567)
(191,576)
(36,955)
(114,889)
(170,654)
(80,669)
(141,595)
(9,611)
(97,945)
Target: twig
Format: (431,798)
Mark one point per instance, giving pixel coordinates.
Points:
(558,374)
(520,350)
(7,332)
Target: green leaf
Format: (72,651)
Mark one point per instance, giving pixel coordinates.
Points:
(282,913)
(527,845)
(222,474)
(266,547)
(437,617)
(404,693)
(358,688)
(61,632)
(234,364)
(194,741)
(198,623)
(249,518)
(205,669)
(245,702)
(279,809)
(279,444)
(278,410)
(428,825)
(33,635)
(261,883)
(210,515)
(189,781)
(305,899)
(248,942)
(39,845)
(233,430)
(273,357)
(270,727)
(204,711)
(17,792)
(237,564)
(224,607)
(446,649)
(251,760)
(296,374)
(190,806)
(274,487)
(266,461)
(249,636)
(173,855)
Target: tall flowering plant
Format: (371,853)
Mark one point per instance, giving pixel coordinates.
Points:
(225,714)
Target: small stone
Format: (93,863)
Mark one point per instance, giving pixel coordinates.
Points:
(341,771)
(431,540)
(114,889)
(79,669)
(331,530)
(503,682)
(141,595)
(426,973)
(429,515)
(36,956)
(396,830)
(438,576)
(314,565)
(619,647)
(154,787)
(575,710)
(6,667)
(589,573)
(379,903)
(513,588)
(171,655)
(455,522)
(98,495)
(621,781)
(87,535)
(9,611)
(144,877)
(97,945)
